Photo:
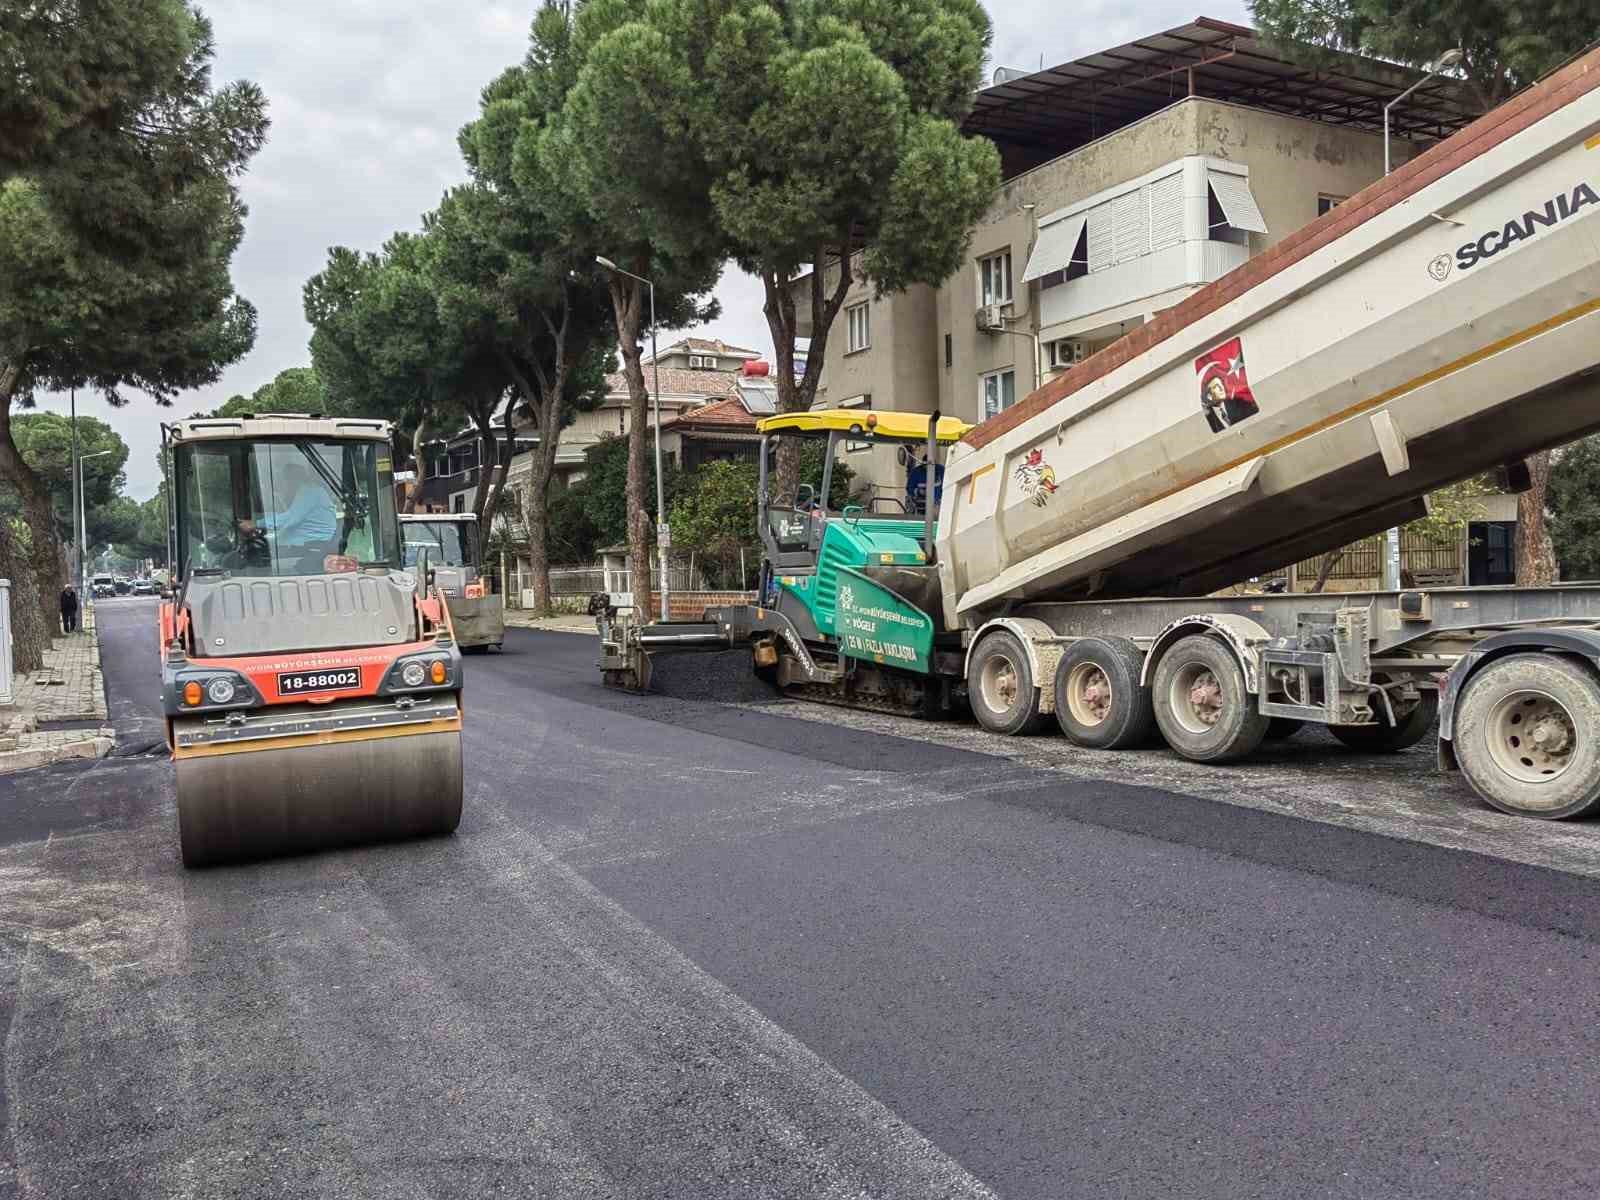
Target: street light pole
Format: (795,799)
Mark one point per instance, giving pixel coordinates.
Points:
(1448,59)
(77,498)
(655,379)
(83,521)
(1391,539)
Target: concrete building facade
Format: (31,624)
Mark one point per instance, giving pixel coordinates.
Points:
(1083,245)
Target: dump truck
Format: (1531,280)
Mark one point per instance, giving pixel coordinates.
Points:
(449,544)
(311,682)
(1443,323)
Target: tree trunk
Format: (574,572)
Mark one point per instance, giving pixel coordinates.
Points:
(44,558)
(537,505)
(1325,568)
(799,395)
(1536,556)
(30,636)
(415,490)
(488,456)
(626,298)
(497,479)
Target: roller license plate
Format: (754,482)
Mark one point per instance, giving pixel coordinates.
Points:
(339,679)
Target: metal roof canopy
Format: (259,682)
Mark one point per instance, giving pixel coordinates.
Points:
(1067,106)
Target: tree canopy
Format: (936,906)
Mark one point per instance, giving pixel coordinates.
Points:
(119,216)
(1574,500)
(1505,45)
(702,117)
(294,390)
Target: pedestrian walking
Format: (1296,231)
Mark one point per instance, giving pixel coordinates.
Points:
(69,610)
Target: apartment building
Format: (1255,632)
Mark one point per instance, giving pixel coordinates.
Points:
(1132,178)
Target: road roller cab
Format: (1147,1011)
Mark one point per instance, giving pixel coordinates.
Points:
(311,681)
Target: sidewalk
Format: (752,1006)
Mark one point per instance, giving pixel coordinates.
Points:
(67,689)
(517,618)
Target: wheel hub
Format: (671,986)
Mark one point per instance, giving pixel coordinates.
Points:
(1205,698)
(1000,684)
(1089,696)
(1532,736)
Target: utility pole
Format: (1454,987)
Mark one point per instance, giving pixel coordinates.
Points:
(77,502)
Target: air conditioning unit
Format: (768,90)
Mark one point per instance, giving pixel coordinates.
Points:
(991,318)
(1067,352)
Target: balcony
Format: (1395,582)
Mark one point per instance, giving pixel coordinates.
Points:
(1156,280)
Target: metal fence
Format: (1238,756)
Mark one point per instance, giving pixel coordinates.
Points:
(1419,554)
(573,583)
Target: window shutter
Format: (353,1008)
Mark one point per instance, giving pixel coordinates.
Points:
(1102,237)
(1131,236)
(1237,204)
(1053,251)
(1166,211)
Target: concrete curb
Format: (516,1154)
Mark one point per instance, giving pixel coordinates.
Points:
(563,624)
(97,745)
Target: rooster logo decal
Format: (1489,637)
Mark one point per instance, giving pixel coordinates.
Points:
(1036,478)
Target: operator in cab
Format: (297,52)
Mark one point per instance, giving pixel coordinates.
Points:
(304,528)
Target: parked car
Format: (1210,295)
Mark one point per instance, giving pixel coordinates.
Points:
(122,585)
(144,587)
(101,586)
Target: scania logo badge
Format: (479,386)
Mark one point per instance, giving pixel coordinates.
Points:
(1439,268)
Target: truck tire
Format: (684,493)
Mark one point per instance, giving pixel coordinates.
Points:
(1099,703)
(1527,736)
(1202,705)
(1385,738)
(1001,687)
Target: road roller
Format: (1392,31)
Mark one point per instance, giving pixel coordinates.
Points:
(311,679)
(451,545)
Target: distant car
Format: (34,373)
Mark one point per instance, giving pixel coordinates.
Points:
(102,586)
(123,586)
(144,587)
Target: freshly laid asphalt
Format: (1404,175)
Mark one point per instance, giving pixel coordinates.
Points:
(680,949)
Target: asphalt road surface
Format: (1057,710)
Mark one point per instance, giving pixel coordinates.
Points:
(679,949)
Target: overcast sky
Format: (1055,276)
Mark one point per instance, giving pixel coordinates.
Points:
(366,97)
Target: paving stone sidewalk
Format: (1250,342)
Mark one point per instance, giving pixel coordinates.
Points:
(68,687)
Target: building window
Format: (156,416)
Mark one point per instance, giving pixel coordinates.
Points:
(458,502)
(694,361)
(858,317)
(994,279)
(1326,204)
(709,362)
(949,351)
(998,392)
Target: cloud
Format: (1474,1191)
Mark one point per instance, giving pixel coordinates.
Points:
(366,99)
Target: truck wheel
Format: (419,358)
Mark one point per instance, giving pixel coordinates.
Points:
(1384,738)
(1281,729)
(1526,736)
(1099,703)
(1000,686)
(1202,706)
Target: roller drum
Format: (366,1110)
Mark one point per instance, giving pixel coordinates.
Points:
(257,803)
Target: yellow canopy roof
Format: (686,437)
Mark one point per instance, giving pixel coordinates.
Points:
(864,425)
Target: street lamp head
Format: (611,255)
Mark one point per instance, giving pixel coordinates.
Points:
(606,262)
(1448,59)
